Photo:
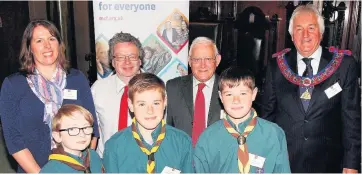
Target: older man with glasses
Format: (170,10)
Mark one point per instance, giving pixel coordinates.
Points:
(193,101)
(110,94)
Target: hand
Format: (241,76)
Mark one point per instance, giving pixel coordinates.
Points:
(345,171)
(26,160)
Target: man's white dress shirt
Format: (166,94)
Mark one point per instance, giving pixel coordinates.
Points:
(315,61)
(107,94)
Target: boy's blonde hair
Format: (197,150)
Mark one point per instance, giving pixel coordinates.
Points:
(68,110)
(235,75)
(144,82)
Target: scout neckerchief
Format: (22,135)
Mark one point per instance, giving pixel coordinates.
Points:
(60,155)
(243,154)
(316,79)
(151,163)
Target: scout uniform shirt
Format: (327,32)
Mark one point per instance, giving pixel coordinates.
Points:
(216,149)
(122,154)
(55,166)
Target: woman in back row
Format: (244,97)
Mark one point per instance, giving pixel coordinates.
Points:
(30,98)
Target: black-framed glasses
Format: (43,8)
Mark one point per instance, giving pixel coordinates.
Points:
(123,58)
(74,131)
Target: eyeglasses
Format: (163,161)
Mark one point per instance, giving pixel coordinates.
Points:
(123,58)
(74,131)
(199,60)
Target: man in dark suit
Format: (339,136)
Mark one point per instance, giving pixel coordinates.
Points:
(193,100)
(313,94)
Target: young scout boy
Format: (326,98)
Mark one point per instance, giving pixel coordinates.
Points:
(241,142)
(148,145)
(72,129)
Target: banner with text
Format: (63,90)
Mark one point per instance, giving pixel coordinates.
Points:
(162,28)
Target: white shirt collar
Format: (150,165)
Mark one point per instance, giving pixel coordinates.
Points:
(119,83)
(208,83)
(316,55)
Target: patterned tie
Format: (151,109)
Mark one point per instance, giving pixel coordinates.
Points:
(199,114)
(306,92)
(123,111)
(308,72)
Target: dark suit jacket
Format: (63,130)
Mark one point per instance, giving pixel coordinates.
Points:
(180,105)
(327,137)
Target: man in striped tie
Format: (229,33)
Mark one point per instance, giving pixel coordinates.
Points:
(110,94)
(241,142)
(148,145)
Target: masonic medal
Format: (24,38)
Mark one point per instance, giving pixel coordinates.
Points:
(306,95)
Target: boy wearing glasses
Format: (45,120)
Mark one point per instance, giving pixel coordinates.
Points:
(110,94)
(241,142)
(149,145)
(72,129)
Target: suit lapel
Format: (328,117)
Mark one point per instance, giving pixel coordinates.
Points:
(318,89)
(188,94)
(214,109)
(292,62)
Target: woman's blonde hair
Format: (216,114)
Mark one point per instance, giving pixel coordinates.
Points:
(99,46)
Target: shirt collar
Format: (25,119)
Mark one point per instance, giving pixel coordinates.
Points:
(242,125)
(119,83)
(79,159)
(154,134)
(208,83)
(316,55)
